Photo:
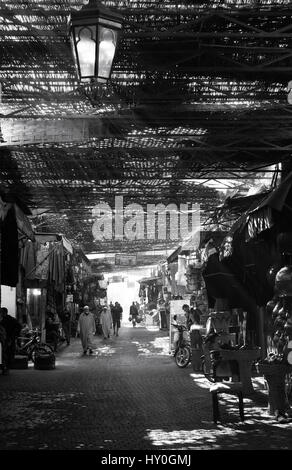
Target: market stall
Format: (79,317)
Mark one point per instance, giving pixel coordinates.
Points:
(270,222)
(45,264)
(15,231)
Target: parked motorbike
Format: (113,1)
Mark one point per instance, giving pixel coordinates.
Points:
(183,352)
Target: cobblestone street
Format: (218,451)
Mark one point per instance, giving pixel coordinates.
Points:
(128,395)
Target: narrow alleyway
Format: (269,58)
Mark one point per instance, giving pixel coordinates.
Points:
(128,395)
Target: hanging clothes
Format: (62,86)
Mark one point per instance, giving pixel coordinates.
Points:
(221,283)
(28,258)
(168,283)
(9,249)
(56,269)
(106,322)
(181,279)
(173,270)
(42,261)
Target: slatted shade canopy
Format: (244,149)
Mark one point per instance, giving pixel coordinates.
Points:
(197,95)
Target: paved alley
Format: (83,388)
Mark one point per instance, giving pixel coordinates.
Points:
(128,395)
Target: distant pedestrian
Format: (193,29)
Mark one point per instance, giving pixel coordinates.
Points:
(196,312)
(86,328)
(192,316)
(106,322)
(117,316)
(12,329)
(52,330)
(133,313)
(65,317)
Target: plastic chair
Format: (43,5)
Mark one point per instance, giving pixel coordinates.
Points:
(222,371)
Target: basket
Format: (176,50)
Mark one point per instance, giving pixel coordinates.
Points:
(19,362)
(273,369)
(275,375)
(45,361)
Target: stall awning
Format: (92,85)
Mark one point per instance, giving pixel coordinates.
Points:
(174,256)
(54,237)
(47,237)
(262,217)
(216,235)
(67,245)
(188,245)
(149,280)
(23,224)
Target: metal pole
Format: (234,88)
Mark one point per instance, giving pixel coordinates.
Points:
(43,314)
(0,257)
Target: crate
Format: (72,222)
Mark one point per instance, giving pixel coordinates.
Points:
(45,361)
(19,362)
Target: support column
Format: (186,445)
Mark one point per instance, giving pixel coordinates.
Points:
(43,314)
(261,331)
(286,169)
(20,297)
(0,258)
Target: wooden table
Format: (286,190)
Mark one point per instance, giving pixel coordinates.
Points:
(245,358)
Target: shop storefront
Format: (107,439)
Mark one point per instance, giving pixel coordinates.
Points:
(15,231)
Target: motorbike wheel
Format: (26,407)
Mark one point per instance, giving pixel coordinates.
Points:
(288,387)
(41,349)
(182,356)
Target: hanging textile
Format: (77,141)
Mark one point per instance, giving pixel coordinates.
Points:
(28,259)
(250,263)
(168,283)
(221,283)
(56,268)
(275,210)
(180,276)
(42,261)
(173,270)
(9,249)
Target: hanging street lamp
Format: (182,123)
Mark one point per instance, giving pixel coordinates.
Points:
(94,32)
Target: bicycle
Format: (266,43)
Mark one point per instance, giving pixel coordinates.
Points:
(183,352)
(32,346)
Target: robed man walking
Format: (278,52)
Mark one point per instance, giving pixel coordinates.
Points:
(86,328)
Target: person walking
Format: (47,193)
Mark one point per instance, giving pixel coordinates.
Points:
(65,318)
(195,311)
(106,322)
(189,315)
(52,330)
(3,349)
(193,318)
(117,316)
(12,329)
(86,329)
(133,313)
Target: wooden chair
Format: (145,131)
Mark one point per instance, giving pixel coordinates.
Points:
(222,371)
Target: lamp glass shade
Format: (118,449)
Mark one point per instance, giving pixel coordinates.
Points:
(94,35)
(86,50)
(107,48)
